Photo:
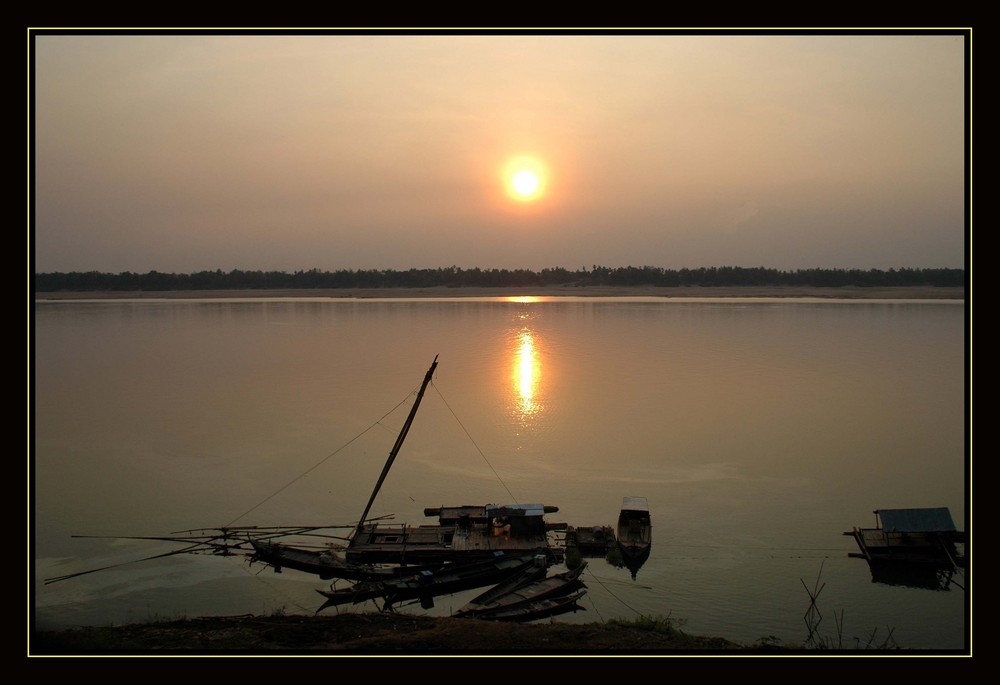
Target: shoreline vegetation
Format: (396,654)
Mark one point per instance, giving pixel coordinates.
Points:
(912,292)
(453,281)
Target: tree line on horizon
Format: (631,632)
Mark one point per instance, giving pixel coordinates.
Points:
(456,277)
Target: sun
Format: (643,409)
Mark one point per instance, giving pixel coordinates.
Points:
(525,179)
(525,182)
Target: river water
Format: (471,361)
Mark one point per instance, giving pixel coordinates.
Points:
(758,430)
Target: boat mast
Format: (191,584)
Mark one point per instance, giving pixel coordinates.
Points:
(399,442)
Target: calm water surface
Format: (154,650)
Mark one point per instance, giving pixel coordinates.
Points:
(758,431)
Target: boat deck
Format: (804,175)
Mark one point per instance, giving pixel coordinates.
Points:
(395,544)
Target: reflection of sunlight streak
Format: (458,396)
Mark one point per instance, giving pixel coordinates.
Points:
(525,367)
(526,373)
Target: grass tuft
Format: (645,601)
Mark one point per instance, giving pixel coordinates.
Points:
(663,625)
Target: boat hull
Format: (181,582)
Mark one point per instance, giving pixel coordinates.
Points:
(504,601)
(325,564)
(427,584)
(542,608)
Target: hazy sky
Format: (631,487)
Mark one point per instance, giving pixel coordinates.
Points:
(186,153)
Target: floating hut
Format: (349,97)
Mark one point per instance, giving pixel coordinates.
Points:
(911,536)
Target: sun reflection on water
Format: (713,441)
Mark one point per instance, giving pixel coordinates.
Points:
(526,374)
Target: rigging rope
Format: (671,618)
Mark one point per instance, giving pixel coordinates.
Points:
(273,587)
(321,462)
(623,602)
(191,548)
(512,498)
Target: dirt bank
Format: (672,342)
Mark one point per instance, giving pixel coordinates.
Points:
(372,634)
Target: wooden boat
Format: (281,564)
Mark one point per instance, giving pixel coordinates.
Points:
(465,532)
(635,532)
(327,563)
(508,596)
(528,576)
(427,584)
(912,537)
(542,608)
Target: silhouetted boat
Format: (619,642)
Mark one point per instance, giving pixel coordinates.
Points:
(427,584)
(635,532)
(327,563)
(529,575)
(520,591)
(542,608)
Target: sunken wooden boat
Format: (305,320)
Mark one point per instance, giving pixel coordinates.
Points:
(912,537)
(523,591)
(528,576)
(428,584)
(542,608)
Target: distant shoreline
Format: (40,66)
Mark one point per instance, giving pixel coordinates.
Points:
(846,292)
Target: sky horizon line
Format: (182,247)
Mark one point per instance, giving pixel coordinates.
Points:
(584,269)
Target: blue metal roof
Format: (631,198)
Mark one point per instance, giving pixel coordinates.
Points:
(515,509)
(916,520)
